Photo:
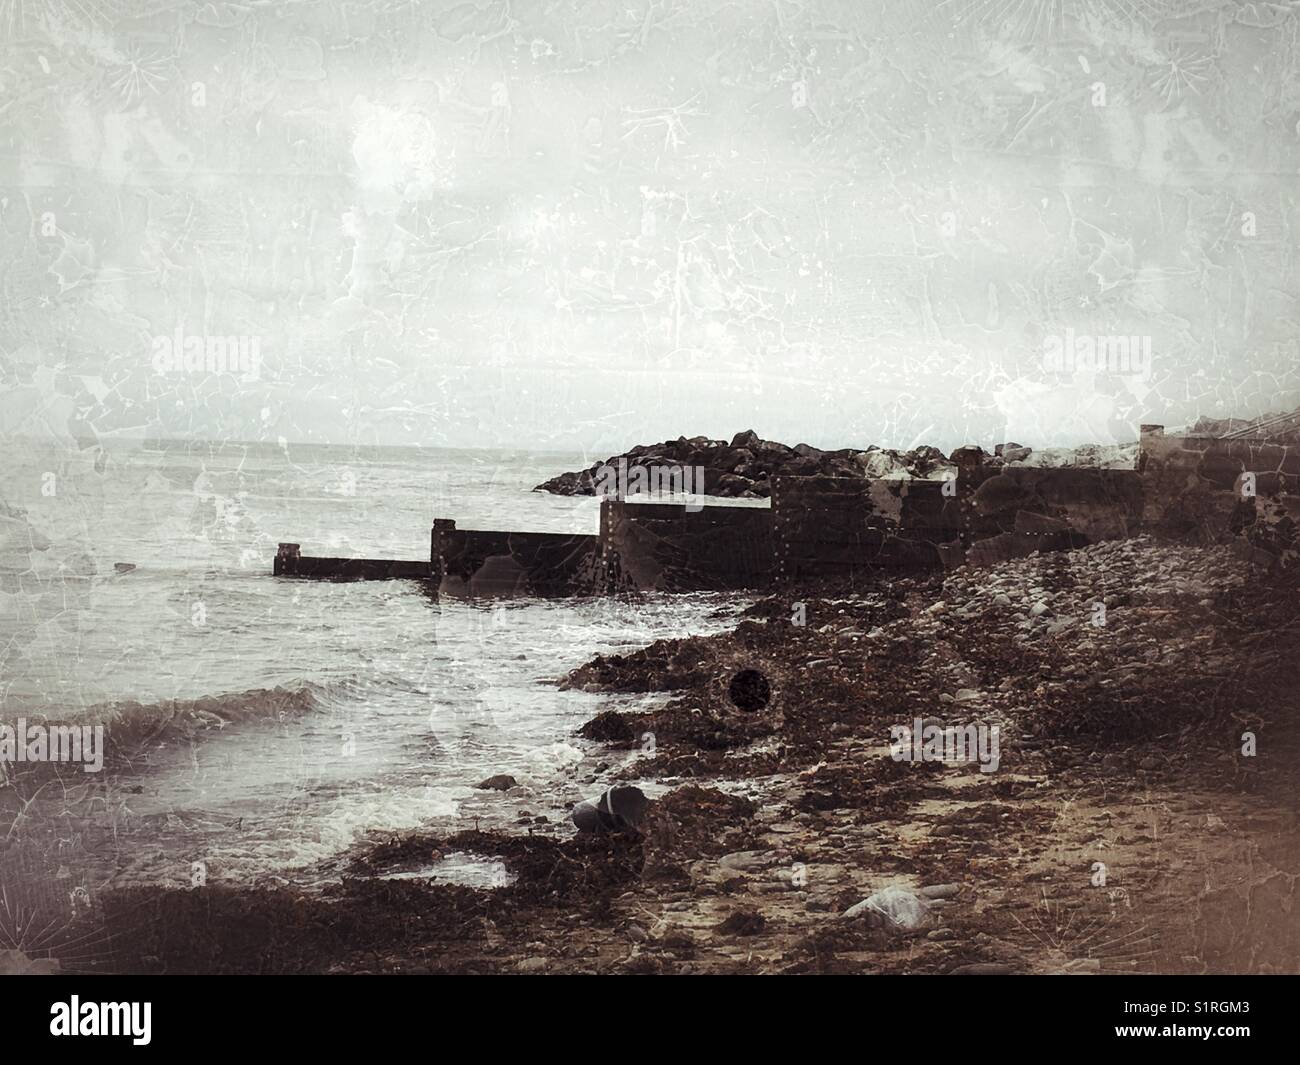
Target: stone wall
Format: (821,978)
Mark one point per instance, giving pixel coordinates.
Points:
(660,546)
(1205,488)
(850,528)
(475,562)
(290,562)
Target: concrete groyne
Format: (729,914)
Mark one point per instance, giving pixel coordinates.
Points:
(853,528)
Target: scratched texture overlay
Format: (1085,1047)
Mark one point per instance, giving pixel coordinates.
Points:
(283,282)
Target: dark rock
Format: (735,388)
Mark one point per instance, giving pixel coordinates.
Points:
(743,923)
(751,462)
(731,484)
(609,726)
(968,456)
(500,782)
(925,458)
(733,458)
(805,466)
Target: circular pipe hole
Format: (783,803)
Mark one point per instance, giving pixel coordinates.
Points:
(749,691)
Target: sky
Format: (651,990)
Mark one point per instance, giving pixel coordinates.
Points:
(557,225)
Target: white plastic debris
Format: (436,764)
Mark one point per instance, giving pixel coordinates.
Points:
(895,908)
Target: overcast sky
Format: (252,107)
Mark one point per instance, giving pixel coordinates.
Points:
(587,225)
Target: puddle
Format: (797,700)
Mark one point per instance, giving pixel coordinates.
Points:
(467,870)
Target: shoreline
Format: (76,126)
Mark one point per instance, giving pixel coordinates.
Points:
(1123,831)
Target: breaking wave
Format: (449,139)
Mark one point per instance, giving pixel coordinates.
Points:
(131,726)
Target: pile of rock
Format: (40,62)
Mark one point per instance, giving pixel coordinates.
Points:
(745,468)
(1051,638)
(1087,456)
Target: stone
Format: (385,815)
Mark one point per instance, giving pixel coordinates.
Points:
(732,484)
(968,456)
(500,782)
(743,923)
(749,861)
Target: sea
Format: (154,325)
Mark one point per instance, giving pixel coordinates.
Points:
(268,727)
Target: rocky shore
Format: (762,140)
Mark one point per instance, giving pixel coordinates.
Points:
(745,467)
(1125,829)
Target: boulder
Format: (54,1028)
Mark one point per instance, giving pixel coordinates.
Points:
(731,484)
(804,466)
(733,458)
(967,457)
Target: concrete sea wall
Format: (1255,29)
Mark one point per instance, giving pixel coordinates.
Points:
(850,529)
